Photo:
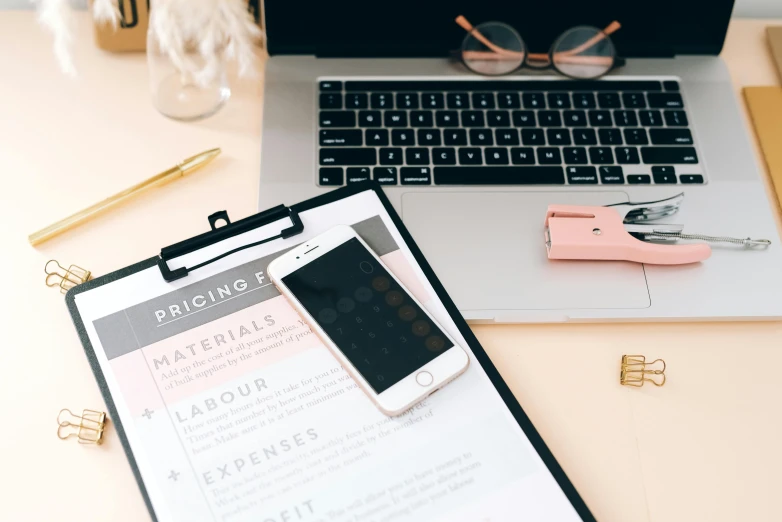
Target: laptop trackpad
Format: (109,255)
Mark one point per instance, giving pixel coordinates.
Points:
(487,248)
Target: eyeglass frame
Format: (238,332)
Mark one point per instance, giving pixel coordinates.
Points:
(496,51)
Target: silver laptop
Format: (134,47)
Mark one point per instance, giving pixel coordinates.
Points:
(357,91)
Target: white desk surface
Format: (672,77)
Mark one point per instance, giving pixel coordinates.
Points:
(707,446)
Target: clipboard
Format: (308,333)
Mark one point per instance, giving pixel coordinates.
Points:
(293,226)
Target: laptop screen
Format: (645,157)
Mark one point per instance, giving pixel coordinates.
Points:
(426,28)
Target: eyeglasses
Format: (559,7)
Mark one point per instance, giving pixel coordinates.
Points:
(583,52)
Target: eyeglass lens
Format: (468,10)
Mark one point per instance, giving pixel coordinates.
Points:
(583,52)
(492,49)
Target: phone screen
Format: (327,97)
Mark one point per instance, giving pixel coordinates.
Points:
(372,320)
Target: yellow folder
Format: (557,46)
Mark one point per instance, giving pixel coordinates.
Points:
(765,108)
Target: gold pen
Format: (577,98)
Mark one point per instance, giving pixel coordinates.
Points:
(182,169)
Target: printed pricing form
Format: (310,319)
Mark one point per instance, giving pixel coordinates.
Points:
(236,411)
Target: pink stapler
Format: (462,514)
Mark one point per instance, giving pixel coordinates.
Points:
(621,232)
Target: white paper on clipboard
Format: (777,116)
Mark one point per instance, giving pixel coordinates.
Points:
(235,411)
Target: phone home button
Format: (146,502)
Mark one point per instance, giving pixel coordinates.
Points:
(424,378)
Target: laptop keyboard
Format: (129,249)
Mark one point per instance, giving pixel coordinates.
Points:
(526,132)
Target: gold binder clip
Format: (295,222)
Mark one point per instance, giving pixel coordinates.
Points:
(88,428)
(57,275)
(636,371)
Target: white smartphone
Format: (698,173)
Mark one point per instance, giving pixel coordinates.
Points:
(385,339)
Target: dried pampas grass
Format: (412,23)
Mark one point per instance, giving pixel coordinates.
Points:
(199,35)
(196,35)
(57,17)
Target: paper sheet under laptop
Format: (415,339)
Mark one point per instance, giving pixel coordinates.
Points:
(235,411)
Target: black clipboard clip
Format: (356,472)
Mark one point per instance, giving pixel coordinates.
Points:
(219,233)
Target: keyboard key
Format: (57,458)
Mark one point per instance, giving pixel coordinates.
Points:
(522,155)
(429,137)
(665,100)
(611,175)
(584,100)
(337,119)
(584,136)
(369,119)
(581,175)
(404,137)
(496,156)
(329,85)
(421,119)
(458,100)
(691,178)
(481,137)
(600,119)
(416,176)
(493,175)
(610,136)
(676,118)
(664,175)
(473,119)
(601,155)
(549,119)
(634,100)
(671,136)
(506,136)
(524,118)
(575,155)
(455,137)
(333,176)
(356,100)
(391,156)
(498,118)
(625,118)
(395,118)
(446,118)
(533,100)
(627,155)
(470,156)
(376,137)
(636,137)
(664,169)
(639,179)
(330,100)
(559,100)
(549,156)
(533,137)
(343,156)
(432,100)
(558,136)
(650,118)
(382,100)
(608,100)
(508,100)
(671,85)
(575,118)
(668,155)
(384,175)
(443,156)
(357,174)
(337,138)
(407,100)
(416,156)
(483,100)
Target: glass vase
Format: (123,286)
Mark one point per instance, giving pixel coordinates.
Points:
(185,85)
